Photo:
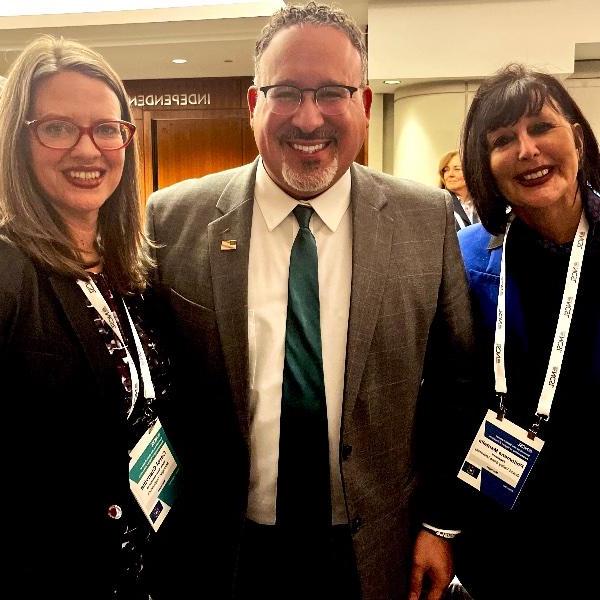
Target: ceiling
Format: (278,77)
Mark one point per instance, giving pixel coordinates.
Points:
(141,44)
(216,41)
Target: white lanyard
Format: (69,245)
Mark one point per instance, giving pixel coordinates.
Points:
(96,299)
(562,327)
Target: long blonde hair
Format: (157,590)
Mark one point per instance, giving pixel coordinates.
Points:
(27,217)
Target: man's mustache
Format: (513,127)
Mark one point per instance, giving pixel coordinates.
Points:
(320,133)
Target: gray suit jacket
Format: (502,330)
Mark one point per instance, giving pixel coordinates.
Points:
(408,287)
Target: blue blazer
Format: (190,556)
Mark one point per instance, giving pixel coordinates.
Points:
(482,253)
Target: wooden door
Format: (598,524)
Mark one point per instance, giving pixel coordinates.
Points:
(184,144)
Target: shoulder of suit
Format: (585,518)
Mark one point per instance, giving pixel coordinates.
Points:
(190,191)
(15,268)
(400,189)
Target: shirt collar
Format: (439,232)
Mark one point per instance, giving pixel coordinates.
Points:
(276,205)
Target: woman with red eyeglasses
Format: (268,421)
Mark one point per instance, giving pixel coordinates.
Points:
(90,474)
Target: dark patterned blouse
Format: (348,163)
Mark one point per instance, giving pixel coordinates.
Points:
(137,533)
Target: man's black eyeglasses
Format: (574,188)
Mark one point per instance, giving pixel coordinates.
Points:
(330,99)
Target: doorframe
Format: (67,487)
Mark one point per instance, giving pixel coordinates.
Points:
(151,117)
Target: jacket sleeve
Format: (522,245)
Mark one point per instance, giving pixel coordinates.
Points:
(446,392)
(11,283)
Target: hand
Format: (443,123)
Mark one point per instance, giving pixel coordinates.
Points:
(432,562)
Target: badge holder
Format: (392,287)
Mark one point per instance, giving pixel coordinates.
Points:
(500,458)
(153,474)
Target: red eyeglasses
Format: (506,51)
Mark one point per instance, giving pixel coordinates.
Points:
(64,135)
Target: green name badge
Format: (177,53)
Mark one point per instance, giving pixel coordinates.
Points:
(153,474)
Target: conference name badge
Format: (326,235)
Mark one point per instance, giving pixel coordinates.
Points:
(153,474)
(500,459)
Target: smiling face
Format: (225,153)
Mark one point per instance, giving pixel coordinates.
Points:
(307,152)
(453,177)
(77,181)
(536,160)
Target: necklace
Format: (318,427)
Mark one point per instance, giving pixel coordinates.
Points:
(91,265)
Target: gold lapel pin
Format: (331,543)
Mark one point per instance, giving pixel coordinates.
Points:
(227,245)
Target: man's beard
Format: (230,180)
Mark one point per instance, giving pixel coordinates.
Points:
(311,178)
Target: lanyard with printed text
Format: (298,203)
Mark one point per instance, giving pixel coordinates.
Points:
(563,325)
(97,300)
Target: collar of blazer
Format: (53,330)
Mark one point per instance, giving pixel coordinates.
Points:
(240,188)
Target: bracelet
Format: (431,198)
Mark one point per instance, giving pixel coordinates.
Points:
(441,533)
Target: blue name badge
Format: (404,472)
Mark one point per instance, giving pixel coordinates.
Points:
(500,459)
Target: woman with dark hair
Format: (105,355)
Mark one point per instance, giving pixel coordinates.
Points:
(531,161)
(452,179)
(89,471)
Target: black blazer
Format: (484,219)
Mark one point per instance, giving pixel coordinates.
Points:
(64,438)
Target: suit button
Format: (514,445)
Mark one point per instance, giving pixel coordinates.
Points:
(346,451)
(356,524)
(114,511)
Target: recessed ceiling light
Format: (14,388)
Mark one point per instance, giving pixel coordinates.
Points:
(179,61)
(392,81)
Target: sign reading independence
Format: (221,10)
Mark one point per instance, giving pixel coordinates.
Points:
(193,99)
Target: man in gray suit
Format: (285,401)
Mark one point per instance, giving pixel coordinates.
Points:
(389,285)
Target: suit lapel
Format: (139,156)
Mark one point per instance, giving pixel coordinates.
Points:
(371,248)
(74,306)
(229,272)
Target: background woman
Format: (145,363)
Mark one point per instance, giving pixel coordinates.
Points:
(451,179)
(81,384)
(528,148)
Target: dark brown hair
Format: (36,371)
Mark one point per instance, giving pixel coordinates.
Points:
(501,100)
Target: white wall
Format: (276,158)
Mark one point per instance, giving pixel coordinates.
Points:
(586,93)
(426,39)
(428,121)
(375,144)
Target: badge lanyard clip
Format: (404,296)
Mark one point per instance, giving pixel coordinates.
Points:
(535,427)
(501,406)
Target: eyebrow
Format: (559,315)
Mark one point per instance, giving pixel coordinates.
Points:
(60,117)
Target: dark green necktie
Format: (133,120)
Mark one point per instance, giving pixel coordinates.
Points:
(303,492)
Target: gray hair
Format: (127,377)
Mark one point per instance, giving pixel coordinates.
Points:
(311,14)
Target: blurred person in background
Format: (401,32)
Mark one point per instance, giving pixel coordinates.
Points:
(82,377)
(531,161)
(451,178)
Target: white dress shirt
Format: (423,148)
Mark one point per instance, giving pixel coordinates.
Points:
(274,228)
(469,209)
